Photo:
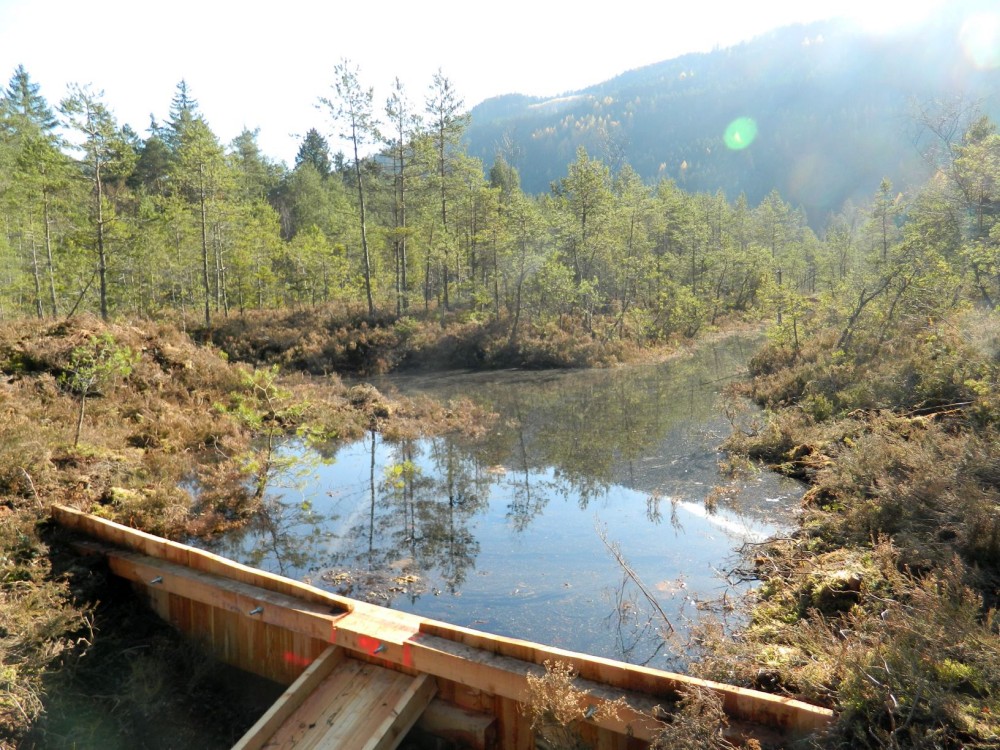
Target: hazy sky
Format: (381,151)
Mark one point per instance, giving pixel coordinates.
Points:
(264,65)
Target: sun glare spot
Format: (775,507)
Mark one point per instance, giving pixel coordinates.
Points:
(741,133)
(980,38)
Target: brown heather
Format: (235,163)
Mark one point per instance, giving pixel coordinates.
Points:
(882,605)
(171,423)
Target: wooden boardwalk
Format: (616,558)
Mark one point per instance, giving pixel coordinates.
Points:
(361,676)
(342,704)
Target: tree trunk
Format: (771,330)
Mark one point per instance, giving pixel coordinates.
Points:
(79,420)
(48,253)
(36,276)
(204,246)
(102,259)
(364,232)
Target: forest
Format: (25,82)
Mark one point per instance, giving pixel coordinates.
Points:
(97,218)
(177,223)
(140,272)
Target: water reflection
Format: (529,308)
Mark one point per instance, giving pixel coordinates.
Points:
(500,532)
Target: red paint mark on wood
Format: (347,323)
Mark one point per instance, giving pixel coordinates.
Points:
(296,660)
(369,645)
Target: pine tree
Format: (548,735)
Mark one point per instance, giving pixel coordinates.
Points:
(406,126)
(38,170)
(315,151)
(353,112)
(447,124)
(107,155)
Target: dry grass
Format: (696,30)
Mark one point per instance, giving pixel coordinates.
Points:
(881,606)
(698,723)
(170,449)
(326,340)
(557,706)
(38,622)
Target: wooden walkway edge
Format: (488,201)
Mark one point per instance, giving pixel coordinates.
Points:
(310,639)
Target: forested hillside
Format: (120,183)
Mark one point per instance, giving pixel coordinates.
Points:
(99,218)
(834,110)
(96,217)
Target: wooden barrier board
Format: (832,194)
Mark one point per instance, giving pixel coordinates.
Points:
(277,627)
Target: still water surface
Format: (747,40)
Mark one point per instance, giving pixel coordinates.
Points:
(503,533)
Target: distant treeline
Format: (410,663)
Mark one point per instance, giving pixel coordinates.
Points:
(407,223)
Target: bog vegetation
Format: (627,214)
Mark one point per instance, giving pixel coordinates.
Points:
(880,378)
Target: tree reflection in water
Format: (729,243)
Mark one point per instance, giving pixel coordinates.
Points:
(498,532)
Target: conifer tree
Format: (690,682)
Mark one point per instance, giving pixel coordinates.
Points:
(315,151)
(38,171)
(201,177)
(447,123)
(405,127)
(107,155)
(352,111)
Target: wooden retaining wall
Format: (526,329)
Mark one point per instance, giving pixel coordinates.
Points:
(277,628)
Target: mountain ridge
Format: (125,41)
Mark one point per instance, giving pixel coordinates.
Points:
(833,108)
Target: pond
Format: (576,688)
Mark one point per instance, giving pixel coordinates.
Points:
(589,516)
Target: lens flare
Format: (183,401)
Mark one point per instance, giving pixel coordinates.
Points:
(741,133)
(980,38)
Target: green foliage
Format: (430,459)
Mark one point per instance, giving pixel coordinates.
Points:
(177,222)
(268,410)
(680,310)
(97,365)
(95,368)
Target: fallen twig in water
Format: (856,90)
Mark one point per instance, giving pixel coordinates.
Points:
(617,553)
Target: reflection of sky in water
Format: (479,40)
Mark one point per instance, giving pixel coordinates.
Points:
(516,550)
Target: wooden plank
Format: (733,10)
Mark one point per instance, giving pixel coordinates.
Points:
(289,701)
(404,714)
(506,677)
(742,704)
(277,609)
(358,706)
(196,559)
(516,729)
(358,714)
(322,704)
(468,729)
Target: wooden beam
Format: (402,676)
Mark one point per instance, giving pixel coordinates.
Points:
(262,605)
(195,559)
(468,729)
(289,701)
(403,715)
(508,677)
(749,706)
(358,706)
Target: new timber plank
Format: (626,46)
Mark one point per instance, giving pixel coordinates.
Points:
(742,704)
(408,709)
(289,701)
(226,594)
(196,559)
(358,706)
(468,729)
